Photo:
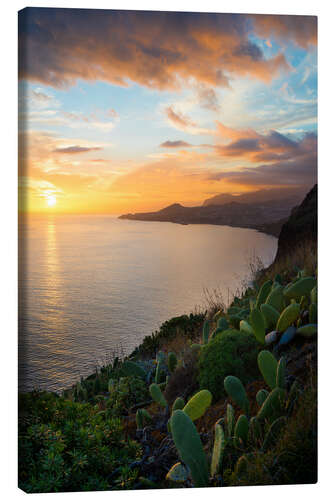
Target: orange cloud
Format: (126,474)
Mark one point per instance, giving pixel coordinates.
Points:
(179,119)
(247,161)
(300,29)
(154,49)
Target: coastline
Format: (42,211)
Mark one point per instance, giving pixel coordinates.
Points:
(188,370)
(271,229)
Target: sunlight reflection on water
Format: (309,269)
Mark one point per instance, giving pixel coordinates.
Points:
(90,284)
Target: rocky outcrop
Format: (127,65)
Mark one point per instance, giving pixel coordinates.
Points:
(301,227)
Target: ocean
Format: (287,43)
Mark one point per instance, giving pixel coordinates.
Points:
(91,285)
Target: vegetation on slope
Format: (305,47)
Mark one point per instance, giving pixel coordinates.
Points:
(222,398)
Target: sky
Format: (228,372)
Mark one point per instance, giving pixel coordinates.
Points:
(123,111)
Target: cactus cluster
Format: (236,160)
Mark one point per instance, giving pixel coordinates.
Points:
(260,431)
(272,314)
(268,313)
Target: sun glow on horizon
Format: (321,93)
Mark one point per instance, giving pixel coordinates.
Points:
(51,200)
(186,129)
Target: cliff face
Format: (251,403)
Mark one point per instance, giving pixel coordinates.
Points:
(301,226)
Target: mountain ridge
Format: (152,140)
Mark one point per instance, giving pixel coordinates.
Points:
(265,216)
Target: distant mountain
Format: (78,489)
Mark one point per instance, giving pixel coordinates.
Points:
(296,195)
(267,216)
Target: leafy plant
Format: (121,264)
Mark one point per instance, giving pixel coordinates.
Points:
(69,446)
(230,353)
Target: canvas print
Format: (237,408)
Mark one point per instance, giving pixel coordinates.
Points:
(167,250)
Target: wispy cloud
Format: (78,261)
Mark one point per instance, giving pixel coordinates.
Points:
(175,144)
(76,149)
(183,122)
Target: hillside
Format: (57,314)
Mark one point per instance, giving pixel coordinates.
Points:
(223,397)
(292,196)
(301,226)
(267,216)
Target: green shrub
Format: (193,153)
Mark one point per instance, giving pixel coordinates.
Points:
(69,446)
(230,353)
(127,392)
(187,326)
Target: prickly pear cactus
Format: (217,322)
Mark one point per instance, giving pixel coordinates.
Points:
(263,293)
(261,396)
(288,316)
(270,314)
(198,404)
(242,429)
(258,325)
(273,405)
(301,287)
(313,295)
(268,365)
(313,313)
(307,330)
(189,447)
(255,431)
(178,473)
(222,324)
(196,348)
(218,449)
(276,298)
(281,374)
(235,389)
(172,361)
(273,433)
(158,373)
(157,395)
(178,404)
(139,419)
(142,418)
(230,420)
(244,326)
(205,332)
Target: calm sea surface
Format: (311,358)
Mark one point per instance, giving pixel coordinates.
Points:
(93,284)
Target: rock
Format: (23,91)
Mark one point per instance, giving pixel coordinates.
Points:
(271,337)
(287,336)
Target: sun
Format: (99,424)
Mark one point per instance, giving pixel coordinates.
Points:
(51,200)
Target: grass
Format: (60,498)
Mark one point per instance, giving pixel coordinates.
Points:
(303,256)
(293,460)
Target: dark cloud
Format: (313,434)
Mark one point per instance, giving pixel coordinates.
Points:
(256,147)
(175,144)
(156,49)
(298,172)
(246,145)
(297,165)
(300,29)
(75,150)
(250,50)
